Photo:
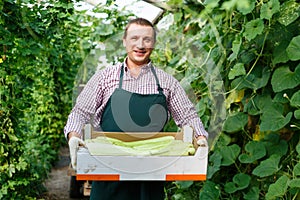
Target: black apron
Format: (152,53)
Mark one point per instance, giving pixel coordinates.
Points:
(132,112)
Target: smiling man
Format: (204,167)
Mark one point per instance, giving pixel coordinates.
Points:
(139,42)
(133,96)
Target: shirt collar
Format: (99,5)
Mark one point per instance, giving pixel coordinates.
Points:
(145,67)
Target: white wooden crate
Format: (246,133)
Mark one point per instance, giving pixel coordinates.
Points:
(165,168)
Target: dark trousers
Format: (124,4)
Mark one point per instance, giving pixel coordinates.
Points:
(127,190)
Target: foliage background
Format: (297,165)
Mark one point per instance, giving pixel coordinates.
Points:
(239,59)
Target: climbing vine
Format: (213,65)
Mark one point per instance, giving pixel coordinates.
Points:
(237,60)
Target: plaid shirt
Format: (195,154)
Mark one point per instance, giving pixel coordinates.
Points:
(92,100)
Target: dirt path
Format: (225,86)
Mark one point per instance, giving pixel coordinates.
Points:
(58,183)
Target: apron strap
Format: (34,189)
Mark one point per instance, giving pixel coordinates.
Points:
(121,76)
(157,81)
(159,89)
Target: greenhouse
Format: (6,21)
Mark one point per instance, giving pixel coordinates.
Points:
(236,61)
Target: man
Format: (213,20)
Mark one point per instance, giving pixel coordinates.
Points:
(132,96)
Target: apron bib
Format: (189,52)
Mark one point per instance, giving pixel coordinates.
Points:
(132,112)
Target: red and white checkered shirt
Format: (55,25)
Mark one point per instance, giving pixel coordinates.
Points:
(92,100)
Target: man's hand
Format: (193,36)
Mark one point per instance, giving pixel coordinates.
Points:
(72,134)
(74,143)
(201,141)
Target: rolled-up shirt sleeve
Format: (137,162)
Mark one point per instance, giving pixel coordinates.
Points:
(85,107)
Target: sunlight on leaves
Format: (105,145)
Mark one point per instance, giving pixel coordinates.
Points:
(234,97)
(269,9)
(289,12)
(246,8)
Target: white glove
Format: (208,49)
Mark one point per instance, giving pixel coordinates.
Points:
(74,143)
(202,142)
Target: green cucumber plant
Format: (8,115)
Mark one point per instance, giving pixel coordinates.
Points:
(43,46)
(39,59)
(254,45)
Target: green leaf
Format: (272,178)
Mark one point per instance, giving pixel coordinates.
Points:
(267,10)
(275,145)
(236,44)
(207,2)
(296,170)
(240,181)
(255,150)
(295,99)
(255,105)
(289,12)
(280,55)
(237,70)
(201,107)
(241,5)
(278,189)
(294,183)
(214,164)
(297,114)
(210,191)
(293,49)
(104,29)
(253,194)
(267,167)
(298,150)
(253,28)
(235,122)
(246,8)
(280,97)
(258,78)
(229,5)
(184,184)
(229,154)
(280,38)
(223,140)
(175,2)
(273,120)
(283,78)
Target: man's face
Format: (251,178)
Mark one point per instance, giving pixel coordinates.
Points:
(139,43)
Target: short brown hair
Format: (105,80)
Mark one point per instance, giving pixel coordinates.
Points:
(142,22)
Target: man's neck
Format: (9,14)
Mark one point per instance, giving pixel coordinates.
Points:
(134,68)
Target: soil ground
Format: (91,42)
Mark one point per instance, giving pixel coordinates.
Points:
(58,183)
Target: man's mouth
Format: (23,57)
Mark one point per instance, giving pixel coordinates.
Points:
(139,52)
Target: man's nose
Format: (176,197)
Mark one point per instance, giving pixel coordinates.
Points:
(140,43)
